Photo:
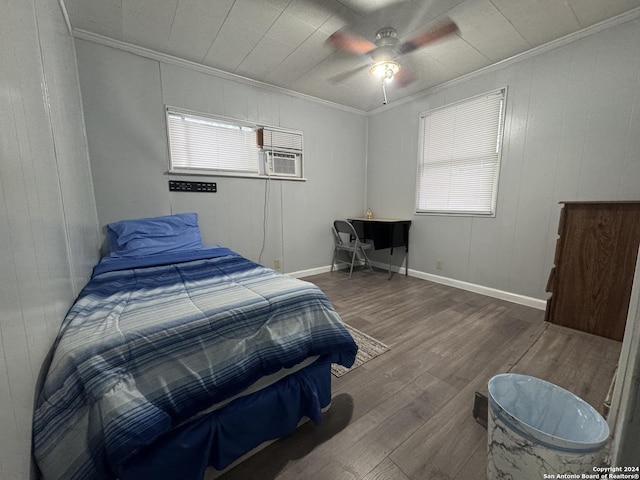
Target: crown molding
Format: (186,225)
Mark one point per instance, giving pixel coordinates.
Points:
(534,52)
(172,60)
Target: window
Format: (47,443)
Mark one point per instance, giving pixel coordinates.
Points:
(202,144)
(459,156)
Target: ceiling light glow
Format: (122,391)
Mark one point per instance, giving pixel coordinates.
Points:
(385,70)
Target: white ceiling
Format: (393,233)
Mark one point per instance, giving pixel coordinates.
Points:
(282,42)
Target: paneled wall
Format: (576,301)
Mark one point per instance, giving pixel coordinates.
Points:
(48,226)
(124,98)
(571,133)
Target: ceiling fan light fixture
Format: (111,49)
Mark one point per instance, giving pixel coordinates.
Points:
(385,70)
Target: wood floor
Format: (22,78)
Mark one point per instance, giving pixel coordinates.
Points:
(407,414)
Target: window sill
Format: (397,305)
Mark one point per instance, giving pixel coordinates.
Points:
(200,173)
(455,214)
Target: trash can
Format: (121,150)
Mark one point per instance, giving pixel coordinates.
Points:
(535,427)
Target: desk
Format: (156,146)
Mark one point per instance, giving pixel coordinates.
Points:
(385,233)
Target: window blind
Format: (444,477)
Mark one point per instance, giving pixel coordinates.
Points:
(206,143)
(459,156)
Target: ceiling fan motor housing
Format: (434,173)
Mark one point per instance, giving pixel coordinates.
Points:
(386,42)
(386,35)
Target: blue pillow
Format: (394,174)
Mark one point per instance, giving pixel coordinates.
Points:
(150,236)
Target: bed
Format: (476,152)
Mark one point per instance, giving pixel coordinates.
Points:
(177,356)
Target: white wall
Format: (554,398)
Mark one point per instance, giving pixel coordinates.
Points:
(572,133)
(48,226)
(124,98)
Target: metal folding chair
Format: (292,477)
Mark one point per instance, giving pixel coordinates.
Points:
(346,240)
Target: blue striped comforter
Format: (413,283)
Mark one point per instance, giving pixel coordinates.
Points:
(144,349)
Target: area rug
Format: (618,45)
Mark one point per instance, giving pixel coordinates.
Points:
(368,348)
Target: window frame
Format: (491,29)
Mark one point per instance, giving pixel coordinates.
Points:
(260,171)
(499,145)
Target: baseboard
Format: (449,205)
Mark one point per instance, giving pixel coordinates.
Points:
(394,268)
(309,272)
(451,282)
(481,289)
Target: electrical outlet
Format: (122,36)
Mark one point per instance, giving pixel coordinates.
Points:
(276,264)
(439,264)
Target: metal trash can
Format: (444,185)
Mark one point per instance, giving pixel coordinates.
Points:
(536,427)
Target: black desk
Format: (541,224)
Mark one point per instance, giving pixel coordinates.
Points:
(385,233)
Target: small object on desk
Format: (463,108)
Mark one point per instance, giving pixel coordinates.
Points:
(369,214)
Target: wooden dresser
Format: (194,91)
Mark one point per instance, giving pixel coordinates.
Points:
(594,266)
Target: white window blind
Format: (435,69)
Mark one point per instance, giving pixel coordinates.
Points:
(459,156)
(206,143)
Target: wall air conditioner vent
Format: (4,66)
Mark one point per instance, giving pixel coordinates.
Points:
(282,164)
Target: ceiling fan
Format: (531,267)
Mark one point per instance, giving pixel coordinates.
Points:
(385,51)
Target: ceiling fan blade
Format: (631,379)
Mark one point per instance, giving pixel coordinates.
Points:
(428,36)
(341,77)
(351,42)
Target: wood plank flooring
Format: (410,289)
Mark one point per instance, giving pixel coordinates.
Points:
(407,414)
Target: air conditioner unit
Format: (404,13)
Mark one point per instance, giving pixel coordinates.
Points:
(282,164)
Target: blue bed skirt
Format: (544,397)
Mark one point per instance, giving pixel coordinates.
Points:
(221,437)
